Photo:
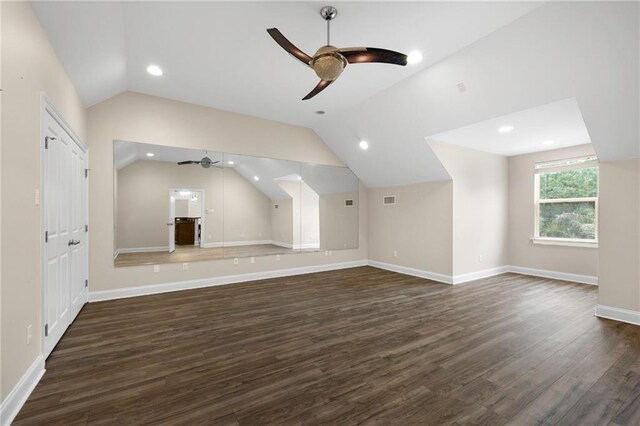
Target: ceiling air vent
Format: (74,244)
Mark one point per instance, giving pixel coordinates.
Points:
(389,199)
(348,203)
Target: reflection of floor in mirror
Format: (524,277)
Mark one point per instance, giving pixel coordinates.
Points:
(198,254)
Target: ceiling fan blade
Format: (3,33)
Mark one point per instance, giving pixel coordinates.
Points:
(361,55)
(288,46)
(188,162)
(215,162)
(319,88)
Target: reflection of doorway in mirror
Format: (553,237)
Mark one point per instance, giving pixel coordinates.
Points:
(186,217)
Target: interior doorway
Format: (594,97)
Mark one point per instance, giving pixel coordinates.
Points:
(186,217)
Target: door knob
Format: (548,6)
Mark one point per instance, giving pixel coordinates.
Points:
(169,224)
(74,242)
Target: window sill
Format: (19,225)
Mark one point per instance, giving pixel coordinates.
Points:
(563,242)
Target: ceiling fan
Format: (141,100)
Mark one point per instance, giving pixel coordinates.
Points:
(329,61)
(205,162)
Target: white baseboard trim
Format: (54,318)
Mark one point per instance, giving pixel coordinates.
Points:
(618,314)
(98,296)
(237,243)
(281,244)
(14,401)
(564,276)
(434,276)
(261,242)
(141,249)
(485,273)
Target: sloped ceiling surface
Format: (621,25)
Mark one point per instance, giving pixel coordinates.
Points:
(551,126)
(218,54)
(518,56)
(588,51)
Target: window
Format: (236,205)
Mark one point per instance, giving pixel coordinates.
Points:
(566,201)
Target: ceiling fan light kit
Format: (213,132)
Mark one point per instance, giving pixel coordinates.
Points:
(328,62)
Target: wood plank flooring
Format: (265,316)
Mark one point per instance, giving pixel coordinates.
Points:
(199,254)
(357,346)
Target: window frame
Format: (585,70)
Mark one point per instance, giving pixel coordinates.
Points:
(578,163)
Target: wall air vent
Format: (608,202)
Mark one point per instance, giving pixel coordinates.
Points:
(389,199)
(275,206)
(348,203)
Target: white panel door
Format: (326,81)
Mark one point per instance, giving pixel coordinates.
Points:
(171,223)
(65,248)
(78,247)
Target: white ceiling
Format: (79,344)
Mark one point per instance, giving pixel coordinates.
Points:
(551,126)
(219,54)
(511,57)
(587,51)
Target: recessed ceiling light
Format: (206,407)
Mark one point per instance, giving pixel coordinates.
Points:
(231,163)
(154,70)
(150,154)
(549,142)
(414,57)
(256,178)
(364,145)
(505,129)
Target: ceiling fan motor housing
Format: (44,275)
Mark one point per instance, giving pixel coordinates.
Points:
(328,63)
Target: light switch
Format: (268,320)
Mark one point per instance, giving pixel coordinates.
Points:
(37,200)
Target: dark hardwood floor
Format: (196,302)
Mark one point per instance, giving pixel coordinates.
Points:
(361,345)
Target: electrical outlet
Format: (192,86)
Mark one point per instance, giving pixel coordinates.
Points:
(253,260)
(235,261)
(156,268)
(277,257)
(29,334)
(185,266)
(480,259)
(395,253)
(326,252)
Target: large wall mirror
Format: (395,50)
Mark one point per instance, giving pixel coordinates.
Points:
(176,205)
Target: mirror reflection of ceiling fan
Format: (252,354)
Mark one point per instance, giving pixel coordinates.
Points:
(204,162)
(329,61)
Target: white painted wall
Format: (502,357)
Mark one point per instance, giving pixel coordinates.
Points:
(522,252)
(147,119)
(480,207)
(29,68)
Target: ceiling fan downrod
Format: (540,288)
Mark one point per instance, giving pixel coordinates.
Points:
(328,13)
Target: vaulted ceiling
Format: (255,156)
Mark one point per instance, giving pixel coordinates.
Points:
(219,54)
(509,57)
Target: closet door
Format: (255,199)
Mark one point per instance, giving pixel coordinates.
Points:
(65,247)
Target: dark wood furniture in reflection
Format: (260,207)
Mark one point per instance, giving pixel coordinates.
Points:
(185,231)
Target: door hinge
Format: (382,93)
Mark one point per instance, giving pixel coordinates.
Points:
(46,141)
(46,330)
(86,283)
(86,228)
(46,236)
(86,172)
